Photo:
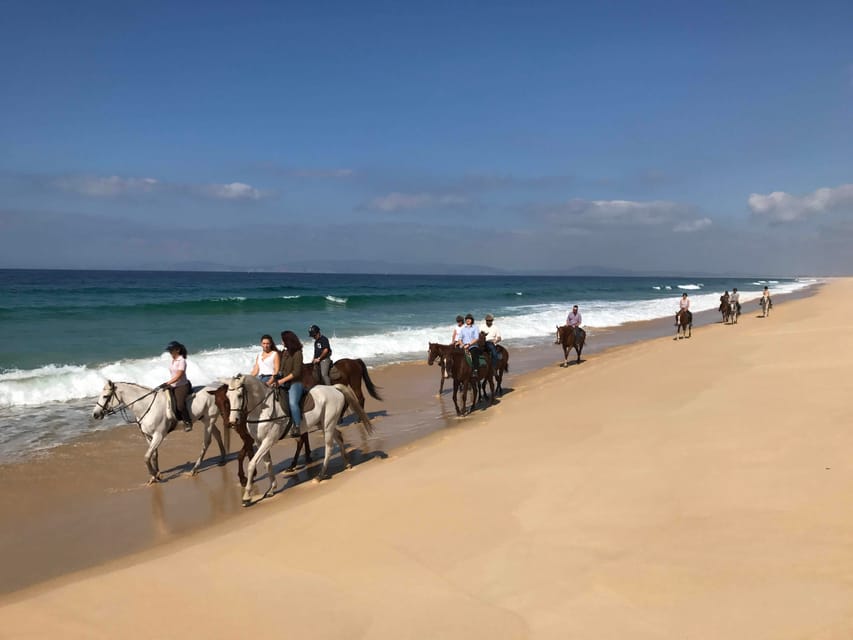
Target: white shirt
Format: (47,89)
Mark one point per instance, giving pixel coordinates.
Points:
(684,303)
(492,333)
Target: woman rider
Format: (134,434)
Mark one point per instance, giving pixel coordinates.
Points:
(290,378)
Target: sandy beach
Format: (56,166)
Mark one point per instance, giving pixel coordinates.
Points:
(664,489)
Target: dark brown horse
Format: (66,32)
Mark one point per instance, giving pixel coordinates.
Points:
(348,371)
(438,353)
(500,367)
(683,324)
(566,339)
(725,309)
(464,377)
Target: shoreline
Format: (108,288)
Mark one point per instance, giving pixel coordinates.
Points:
(101,475)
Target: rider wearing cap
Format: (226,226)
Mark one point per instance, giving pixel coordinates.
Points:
(322,353)
(684,305)
(493,336)
(178,385)
(467,338)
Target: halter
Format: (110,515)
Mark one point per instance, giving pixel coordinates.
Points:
(244,413)
(123,407)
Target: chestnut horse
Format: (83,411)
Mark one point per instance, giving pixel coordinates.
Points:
(725,309)
(566,339)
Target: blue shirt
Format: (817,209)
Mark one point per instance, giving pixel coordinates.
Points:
(468,334)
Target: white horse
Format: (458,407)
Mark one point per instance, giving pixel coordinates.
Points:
(766,305)
(152,411)
(253,401)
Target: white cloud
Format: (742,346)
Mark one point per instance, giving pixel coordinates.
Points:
(97,186)
(231,191)
(690,226)
(117,186)
(396,201)
(622,213)
(784,207)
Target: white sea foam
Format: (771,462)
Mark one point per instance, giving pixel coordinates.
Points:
(337,300)
(690,287)
(667,287)
(522,323)
(290,297)
(657,288)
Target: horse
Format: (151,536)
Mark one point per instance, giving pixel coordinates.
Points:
(725,309)
(256,404)
(683,324)
(500,367)
(348,371)
(151,409)
(566,339)
(735,312)
(205,405)
(766,305)
(438,352)
(464,377)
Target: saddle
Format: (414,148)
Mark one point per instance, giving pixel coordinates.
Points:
(315,372)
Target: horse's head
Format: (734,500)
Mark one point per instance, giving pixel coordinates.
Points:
(105,400)
(434,353)
(236,400)
(220,397)
(481,341)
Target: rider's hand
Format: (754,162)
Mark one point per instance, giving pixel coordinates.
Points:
(165,385)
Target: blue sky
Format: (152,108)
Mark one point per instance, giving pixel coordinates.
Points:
(654,136)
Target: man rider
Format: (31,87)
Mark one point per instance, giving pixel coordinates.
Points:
(322,353)
(467,338)
(493,336)
(574,320)
(766,294)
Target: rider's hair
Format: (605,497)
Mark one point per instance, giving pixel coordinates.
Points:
(460,319)
(267,336)
(291,341)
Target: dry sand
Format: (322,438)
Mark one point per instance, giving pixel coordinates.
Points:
(668,489)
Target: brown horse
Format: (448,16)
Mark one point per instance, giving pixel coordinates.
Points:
(438,353)
(566,339)
(725,309)
(500,367)
(464,377)
(348,371)
(683,324)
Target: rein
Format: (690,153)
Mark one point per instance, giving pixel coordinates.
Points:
(246,413)
(123,407)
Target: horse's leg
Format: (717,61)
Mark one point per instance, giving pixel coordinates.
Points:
(218,437)
(273,484)
(205,443)
(151,456)
(455,391)
(329,440)
(263,450)
(339,438)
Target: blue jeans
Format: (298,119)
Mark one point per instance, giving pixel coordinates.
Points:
(294,395)
(264,377)
(493,351)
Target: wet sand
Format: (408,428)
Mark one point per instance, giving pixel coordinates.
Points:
(86,503)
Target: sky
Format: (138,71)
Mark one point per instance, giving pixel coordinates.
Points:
(673,137)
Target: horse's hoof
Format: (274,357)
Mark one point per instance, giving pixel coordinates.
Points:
(242,482)
(247,502)
(290,470)
(221,463)
(348,466)
(193,472)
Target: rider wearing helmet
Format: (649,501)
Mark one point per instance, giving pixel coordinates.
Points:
(178,385)
(322,353)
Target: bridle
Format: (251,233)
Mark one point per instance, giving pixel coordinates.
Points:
(244,413)
(123,407)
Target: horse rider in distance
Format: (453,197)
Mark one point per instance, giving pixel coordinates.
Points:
(573,320)
(684,305)
(734,300)
(493,336)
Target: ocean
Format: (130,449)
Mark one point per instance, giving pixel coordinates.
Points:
(62,333)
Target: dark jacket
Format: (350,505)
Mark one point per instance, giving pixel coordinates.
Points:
(291,363)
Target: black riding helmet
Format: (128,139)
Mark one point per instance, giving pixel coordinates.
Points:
(313,330)
(468,315)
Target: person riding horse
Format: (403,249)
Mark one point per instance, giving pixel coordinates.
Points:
(734,300)
(493,336)
(467,338)
(574,320)
(322,353)
(684,305)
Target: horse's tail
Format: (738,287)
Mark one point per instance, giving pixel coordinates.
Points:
(371,388)
(353,403)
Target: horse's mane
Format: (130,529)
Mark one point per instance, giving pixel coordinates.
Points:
(141,387)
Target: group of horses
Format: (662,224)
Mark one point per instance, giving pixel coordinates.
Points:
(455,363)
(254,410)
(729,311)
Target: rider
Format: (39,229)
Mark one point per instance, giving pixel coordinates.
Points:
(267,362)
(574,320)
(178,385)
(322,353)
(724,299)
(734,300)
(460,322)
(493,336)
(290,378)
(765,298)
(684,305)
(467,338)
